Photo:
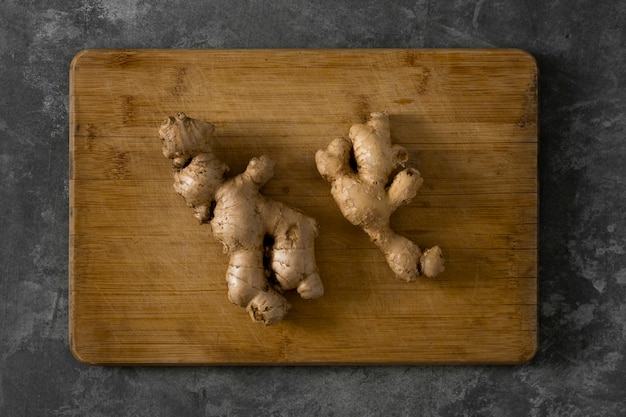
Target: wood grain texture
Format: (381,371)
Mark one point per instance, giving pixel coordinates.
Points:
(147,282)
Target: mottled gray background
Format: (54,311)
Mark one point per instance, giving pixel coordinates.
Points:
(579,370)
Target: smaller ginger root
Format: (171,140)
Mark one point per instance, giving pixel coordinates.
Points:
(270,244)
(366,201)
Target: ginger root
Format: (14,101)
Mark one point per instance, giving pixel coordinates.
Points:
(271,245)
(365,198)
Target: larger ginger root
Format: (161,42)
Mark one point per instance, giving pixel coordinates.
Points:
(366,201)
(271,245)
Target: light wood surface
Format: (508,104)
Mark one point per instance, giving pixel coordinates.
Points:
(147,282)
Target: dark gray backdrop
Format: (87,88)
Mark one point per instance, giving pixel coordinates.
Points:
(580,369)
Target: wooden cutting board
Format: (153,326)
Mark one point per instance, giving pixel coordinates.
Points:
(147,282)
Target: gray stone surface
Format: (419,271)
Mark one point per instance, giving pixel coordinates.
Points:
(580,369)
